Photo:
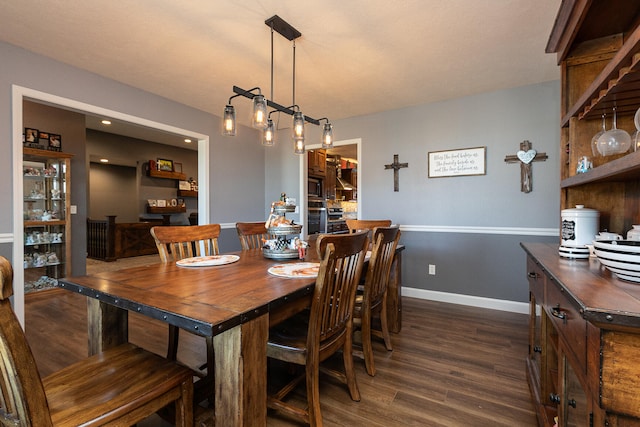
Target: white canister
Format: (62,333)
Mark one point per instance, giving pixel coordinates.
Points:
(579,226)
(634,233)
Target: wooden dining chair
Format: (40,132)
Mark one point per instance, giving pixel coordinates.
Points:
(312,336)
(175,243)
(120,386)
(366,224)
(251,234)
(373,300)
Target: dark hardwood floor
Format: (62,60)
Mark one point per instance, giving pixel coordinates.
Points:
(451,365)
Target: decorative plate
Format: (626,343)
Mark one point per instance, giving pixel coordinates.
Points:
(207,261)
(298,270)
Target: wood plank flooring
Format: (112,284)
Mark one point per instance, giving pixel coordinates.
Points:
(451,365)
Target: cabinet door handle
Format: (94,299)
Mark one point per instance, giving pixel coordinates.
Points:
(555,312)
(572,403)
(532,275)
(537,349)
(554,398)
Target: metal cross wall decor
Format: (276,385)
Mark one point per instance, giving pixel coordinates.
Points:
(396,167)
(526,156)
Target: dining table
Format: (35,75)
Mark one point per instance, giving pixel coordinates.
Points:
(234,302)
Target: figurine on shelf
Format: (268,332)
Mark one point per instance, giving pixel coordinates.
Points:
(584,164)
(55,193)
(52,258)
(57,238)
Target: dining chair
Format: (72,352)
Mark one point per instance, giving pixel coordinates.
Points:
(373,300)
(312,336)
(120,386)
(366,224)
(251,234)
(177,242)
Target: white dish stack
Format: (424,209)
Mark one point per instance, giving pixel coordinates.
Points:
(579,229)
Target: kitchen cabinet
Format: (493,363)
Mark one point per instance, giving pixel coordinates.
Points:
(584,336)
(317,163)
(330,180)
(46,220)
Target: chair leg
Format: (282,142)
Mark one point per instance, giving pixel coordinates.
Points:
(350,373)
(313,395)
(384,324)
(367,347)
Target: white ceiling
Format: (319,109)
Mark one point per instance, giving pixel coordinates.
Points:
(355,57)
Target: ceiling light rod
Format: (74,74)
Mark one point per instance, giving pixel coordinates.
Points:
(281,108)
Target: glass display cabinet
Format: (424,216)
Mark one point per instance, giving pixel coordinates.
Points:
(46,218)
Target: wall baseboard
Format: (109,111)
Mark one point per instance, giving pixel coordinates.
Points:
(474,301)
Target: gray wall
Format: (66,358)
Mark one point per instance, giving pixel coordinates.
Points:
(237,165)
(113,191)
(469,227)
(137,152)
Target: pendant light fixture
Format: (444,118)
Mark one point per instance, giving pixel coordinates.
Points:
(327,134)
(260,118)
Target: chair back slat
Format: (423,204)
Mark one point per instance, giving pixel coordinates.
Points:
(22,398)
(382,255)
(366,224)
(334,294)
(252,234)
(176,242)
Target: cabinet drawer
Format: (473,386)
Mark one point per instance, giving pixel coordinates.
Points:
(535,275)
(568,322)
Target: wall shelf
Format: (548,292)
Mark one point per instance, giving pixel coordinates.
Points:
(167,175)
(187,193)
(167,210)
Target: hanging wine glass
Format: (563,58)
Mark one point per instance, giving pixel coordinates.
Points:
(614,141)
(594,140)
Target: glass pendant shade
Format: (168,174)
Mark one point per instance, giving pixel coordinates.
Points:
(229,121)
(327,136)
(269,134)
(298,126)
(298,146)
(259,120)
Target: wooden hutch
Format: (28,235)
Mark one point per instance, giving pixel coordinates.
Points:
(584,347)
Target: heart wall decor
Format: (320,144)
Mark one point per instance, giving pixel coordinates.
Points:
(526,157)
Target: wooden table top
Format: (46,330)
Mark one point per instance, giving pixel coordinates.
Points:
(599,295)
(204,300)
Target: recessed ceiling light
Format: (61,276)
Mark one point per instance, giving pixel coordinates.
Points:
(104,160)
(187,140)
(106,122)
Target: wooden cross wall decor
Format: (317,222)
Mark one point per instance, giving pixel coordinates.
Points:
(526,156)
(396,166)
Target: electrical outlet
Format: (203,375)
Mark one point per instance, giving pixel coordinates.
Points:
(432,269)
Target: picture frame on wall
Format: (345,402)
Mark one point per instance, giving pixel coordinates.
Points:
(31,135)
(165,165)
(457,162)
(177,167)
(43,138)
(55,142)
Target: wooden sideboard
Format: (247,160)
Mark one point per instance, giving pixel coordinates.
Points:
(583,364)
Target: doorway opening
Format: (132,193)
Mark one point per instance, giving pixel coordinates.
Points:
(22,94)
(325,197)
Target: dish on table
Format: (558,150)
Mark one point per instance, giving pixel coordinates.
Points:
(207,261)
(297,270)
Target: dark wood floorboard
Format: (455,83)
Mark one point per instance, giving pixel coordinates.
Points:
(452,365)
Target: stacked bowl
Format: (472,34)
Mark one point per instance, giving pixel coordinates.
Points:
(621,257)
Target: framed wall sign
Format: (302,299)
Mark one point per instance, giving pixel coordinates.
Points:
(165,165)
(462,162)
